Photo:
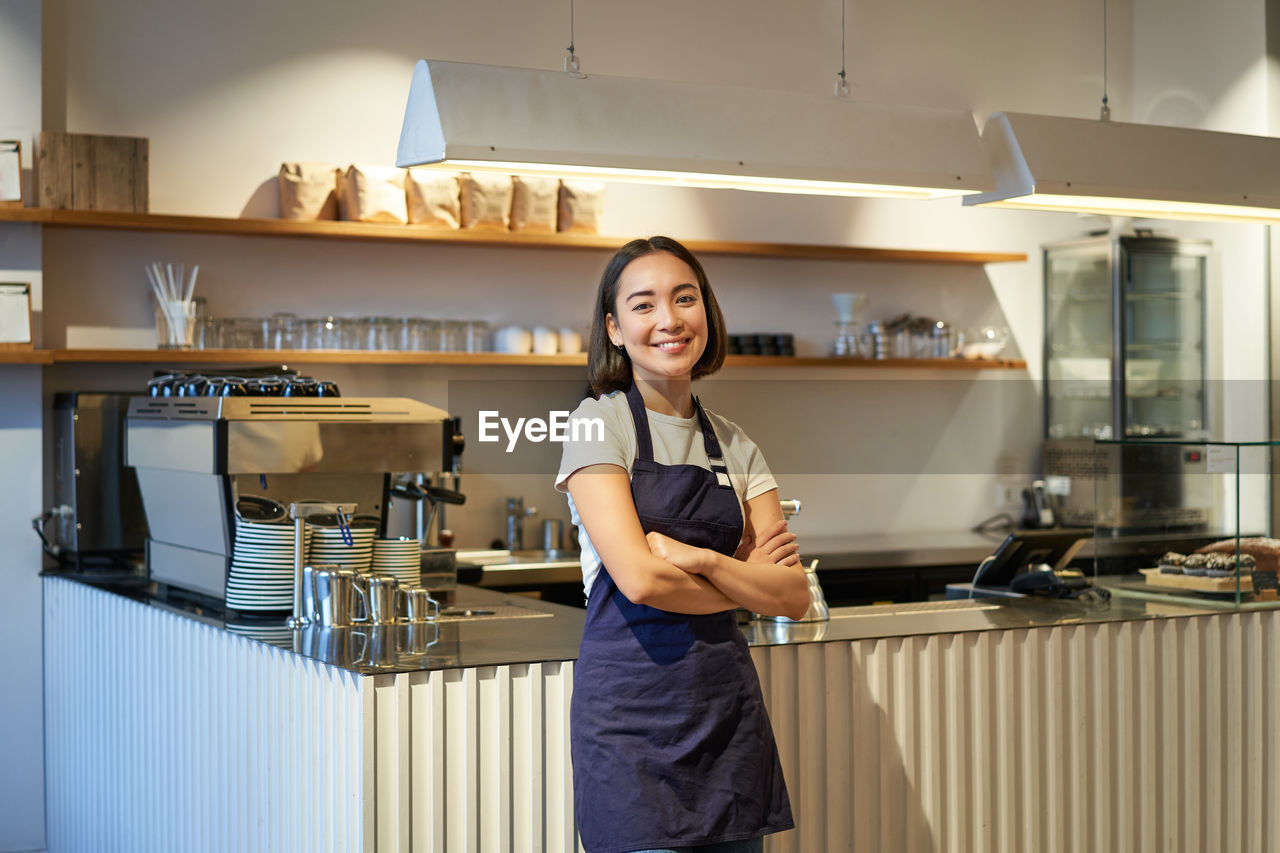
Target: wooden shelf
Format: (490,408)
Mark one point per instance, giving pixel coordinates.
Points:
(482,359)
(877,364)
(418,234)
(264,356)
(26,356)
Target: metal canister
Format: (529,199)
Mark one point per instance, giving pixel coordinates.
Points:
(552,535)
(875,335)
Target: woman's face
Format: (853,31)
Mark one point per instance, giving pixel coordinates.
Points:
(659,317)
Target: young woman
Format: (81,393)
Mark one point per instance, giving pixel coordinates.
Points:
(680,524)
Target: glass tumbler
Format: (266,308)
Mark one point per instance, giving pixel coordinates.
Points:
(200,311)
(331,333)
(414,334)
(453,336)
(383,333)
(432,335)
(281,331)
(400,335)
(310,334)
(245,333)
(176,324)
(350,333)
(477,336)
(209,333)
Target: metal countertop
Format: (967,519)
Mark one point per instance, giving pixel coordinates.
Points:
(900,550)
(868,551)
(552,632)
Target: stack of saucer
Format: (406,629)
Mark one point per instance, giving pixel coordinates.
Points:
(261,576)
(401,558)
(328,546)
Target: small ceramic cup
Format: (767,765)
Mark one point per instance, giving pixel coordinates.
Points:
(570,341)
(513,339)
(545,341)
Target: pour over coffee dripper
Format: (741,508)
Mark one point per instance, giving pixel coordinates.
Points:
(846,344)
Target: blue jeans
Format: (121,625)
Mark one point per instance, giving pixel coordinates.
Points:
(751,845)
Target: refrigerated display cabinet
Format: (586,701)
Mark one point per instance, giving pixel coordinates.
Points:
(1124,358)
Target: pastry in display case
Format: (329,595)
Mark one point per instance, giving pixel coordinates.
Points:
(1221,559)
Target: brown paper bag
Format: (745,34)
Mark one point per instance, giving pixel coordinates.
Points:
(433,198)
(486,201)
(308,191)
(373,194)
(533,204)
(581,203)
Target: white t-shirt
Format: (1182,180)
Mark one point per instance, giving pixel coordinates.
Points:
(676,441)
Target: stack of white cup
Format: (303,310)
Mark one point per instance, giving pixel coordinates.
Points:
(543,340)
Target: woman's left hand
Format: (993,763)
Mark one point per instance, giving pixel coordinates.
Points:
(678,554)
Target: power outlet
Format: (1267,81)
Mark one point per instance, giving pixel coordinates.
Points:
(1007,496)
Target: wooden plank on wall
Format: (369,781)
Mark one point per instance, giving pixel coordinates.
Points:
(79,171)
(52,174)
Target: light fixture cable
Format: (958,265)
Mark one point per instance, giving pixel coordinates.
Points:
(1104,113)
(842,80)
(571,65)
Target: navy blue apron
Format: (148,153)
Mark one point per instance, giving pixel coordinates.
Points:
(670,739)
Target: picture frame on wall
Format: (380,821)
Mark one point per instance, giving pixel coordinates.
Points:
(15,316)
(10,173)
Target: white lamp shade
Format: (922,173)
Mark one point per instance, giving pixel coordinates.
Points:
(472,117)
(1140,170)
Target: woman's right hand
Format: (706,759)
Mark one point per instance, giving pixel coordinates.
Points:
(775,544)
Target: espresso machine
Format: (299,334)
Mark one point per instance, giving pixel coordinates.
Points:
(196,457)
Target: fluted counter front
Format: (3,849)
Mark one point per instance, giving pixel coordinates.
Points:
(1035,726)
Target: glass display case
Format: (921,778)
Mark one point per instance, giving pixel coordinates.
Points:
(1216,561)
(1124,357)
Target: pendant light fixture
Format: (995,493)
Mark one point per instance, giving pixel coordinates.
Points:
(1137,170)
(568,124)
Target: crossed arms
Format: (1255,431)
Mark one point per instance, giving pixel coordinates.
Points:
(764,575)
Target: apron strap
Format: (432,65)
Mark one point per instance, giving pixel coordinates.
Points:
(712,446)
(644,444)
(644,441)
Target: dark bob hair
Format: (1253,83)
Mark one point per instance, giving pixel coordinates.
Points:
(609,367)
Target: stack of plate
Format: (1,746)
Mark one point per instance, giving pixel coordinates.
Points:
(401,558)
(328,547)
(261,576)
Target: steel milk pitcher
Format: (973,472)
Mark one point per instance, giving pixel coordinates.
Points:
(335,598)
(419,606)
(380,593)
